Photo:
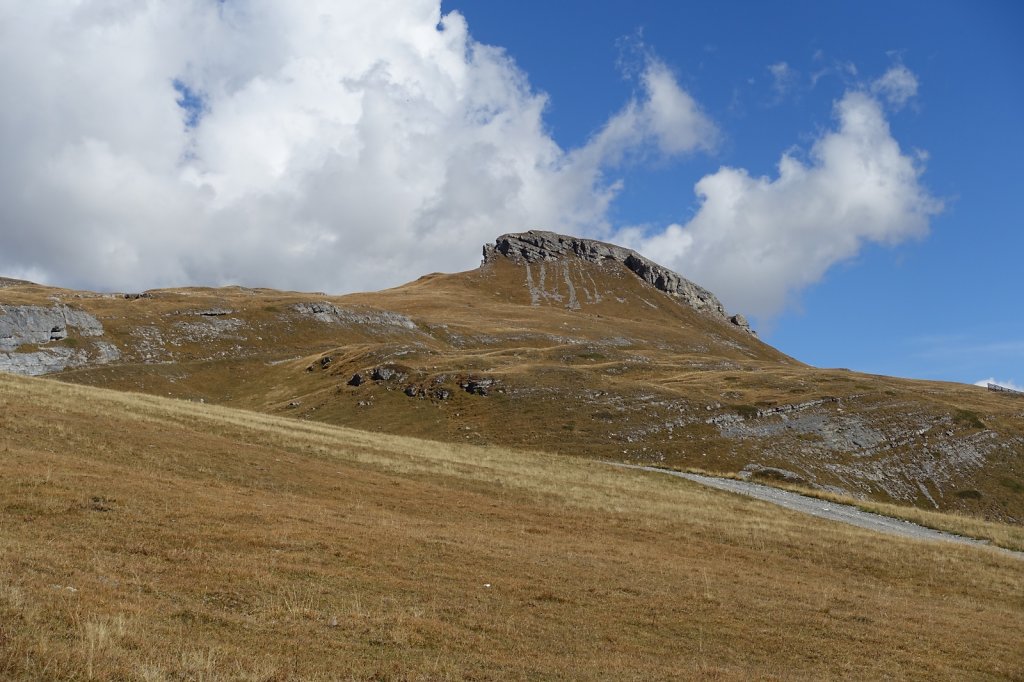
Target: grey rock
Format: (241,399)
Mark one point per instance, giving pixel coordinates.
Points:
(383,374)
(477,386)
(39,326)
(58,358)
(539,246)
(332,314)
(105,352)
(32,324)
(1003,389)
(741,322)
(37,363)
(210,328)
(356,380)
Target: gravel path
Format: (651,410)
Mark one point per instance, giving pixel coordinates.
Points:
(824,509)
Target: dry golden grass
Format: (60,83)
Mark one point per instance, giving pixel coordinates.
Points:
(142,538)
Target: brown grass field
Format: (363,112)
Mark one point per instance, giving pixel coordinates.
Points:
(143,538)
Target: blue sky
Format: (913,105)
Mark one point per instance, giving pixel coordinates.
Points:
(946,306)
(846,174)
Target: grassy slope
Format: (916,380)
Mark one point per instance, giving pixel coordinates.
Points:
(631,376)
(142,538)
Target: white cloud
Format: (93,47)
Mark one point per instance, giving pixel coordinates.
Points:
(665,117)
(340,145)
(335,145)
(784,79)
(1005,384)
(898,86)
(758,241)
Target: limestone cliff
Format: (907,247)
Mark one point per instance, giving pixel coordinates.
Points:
(539,245)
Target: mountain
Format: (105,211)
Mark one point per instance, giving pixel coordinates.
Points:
(554,343)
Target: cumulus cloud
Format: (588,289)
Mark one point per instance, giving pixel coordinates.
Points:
(1005,384)
(898,86)
(758,241)
(664,117)
(328,144)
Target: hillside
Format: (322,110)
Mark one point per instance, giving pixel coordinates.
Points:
(155,539)
(554,343)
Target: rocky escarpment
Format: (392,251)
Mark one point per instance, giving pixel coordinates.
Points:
(32,324)
(26,332)
(542,246)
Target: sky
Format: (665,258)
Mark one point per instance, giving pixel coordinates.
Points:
(847,175)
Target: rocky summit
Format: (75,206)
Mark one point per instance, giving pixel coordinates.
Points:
(537,246)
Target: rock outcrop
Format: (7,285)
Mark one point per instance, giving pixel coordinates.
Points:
(36,327)
(32,324)
(542,246)
(331,314)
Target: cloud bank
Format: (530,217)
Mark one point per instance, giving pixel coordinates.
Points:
(758,241)
(317,145)
(338,146)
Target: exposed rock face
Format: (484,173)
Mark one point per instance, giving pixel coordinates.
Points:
(57,359)
(332,314)
(37,326)
(541,246)
(32,324)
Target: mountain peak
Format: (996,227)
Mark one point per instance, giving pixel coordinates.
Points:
(543,246)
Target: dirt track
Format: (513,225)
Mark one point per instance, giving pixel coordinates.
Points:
(824,509)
